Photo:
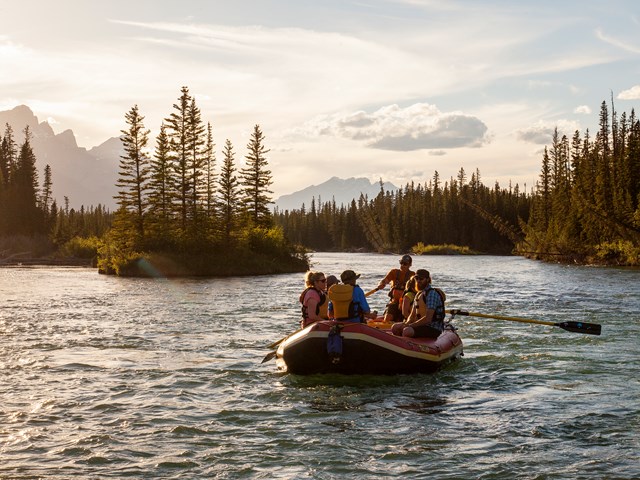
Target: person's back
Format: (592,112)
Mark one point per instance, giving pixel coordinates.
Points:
(341,305)
(347,300)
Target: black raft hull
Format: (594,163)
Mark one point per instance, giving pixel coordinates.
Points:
(364,350)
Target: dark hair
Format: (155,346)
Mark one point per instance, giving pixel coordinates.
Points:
(422,273)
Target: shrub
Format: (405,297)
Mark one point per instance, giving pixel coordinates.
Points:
(81,247)
(446,249)
(621,252)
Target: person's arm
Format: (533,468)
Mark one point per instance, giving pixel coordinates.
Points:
(386,280)
(364,305)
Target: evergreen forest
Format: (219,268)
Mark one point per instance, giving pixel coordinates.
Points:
(584,208)
(178,213)
(183,211)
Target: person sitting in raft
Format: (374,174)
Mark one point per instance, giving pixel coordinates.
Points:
(427,316)
(408,297)
(398,277)
(324,306)
(312,298)
(347,300)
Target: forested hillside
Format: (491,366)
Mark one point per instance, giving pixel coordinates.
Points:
(585,207)
(458,212)
(177,202)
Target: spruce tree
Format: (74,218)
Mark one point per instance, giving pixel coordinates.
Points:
(228,194)
(196,163)
(45,198)
(161,191)
(25,215)
(210,175)
(256,179)
(133,174)
(180,141)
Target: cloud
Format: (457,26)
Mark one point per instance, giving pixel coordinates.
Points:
(541,133)
(583,109)
(419,126)
(632,94)
(617,42)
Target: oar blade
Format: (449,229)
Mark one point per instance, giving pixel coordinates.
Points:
(580,327)
(269,356)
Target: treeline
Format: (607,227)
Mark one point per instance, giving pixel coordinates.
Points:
(24,210)
(587,204)
(460,211)
(176,203)
(32,224)
(585,207)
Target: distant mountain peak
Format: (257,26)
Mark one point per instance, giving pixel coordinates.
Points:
(86,178)
(342,190)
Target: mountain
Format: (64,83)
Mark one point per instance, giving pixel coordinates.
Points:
(343,191)
(86,177)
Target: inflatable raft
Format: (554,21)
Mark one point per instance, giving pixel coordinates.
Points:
(358,348)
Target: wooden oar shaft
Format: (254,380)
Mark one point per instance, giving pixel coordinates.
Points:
(576,327)
(371,292)
(500,317)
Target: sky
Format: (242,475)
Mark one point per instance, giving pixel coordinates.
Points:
(393,90)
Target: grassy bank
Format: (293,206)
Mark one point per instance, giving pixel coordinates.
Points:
(445,249)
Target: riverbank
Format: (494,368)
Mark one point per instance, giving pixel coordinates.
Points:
(215,264)
(24,260)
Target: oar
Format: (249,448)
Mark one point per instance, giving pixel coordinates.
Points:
(371,292)
(576,327)
(269,356)
(278,342)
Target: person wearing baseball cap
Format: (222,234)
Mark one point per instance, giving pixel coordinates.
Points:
(398,278)
(427,316)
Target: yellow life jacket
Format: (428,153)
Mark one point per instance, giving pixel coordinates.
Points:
(341,297)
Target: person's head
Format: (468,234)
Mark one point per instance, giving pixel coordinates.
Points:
(423,278)
(349,277)
(331,280)
(406,261)
(315,280)
(411,284)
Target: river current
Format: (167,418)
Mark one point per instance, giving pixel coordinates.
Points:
(106,377)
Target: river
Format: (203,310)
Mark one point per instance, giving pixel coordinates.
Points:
(106,377)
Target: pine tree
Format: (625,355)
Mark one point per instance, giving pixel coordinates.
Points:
(45,198)
(8,154)
(161,192)
(25,214)
(180,141)
(255,180)
(133,175)
(228,199)
(196,164)
(210,175)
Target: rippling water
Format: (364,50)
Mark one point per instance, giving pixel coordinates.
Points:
(110,377)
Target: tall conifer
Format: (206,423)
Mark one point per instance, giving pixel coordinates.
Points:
(256,179)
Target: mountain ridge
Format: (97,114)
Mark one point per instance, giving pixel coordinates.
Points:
(88,177)
(342,191)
